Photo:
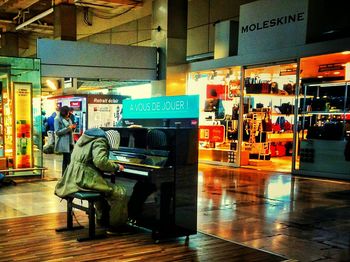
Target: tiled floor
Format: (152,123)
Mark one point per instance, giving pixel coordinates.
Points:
(299,218)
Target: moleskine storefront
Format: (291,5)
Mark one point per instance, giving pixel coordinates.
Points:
(270,92)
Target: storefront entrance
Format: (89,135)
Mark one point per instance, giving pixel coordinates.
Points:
(249,123)
(268,117)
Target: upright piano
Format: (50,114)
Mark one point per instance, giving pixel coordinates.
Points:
(166,158)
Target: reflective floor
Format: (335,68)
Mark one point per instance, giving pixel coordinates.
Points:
(299,218)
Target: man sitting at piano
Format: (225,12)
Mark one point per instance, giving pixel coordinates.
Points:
(89,161)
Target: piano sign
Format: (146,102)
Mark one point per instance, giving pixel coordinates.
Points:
(168,107)
(212,133)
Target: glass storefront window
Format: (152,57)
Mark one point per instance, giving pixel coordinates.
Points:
(268,119)
(324,116)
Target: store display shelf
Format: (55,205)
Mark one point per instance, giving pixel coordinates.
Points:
(324,113)
(217,149)
(280,137)
(269,95)
(278,114)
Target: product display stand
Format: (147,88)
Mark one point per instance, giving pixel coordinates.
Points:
(259,153)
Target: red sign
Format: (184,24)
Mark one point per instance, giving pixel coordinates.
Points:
(76,105)
(212,133)
(215,91)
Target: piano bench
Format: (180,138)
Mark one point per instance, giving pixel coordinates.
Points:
(91,197)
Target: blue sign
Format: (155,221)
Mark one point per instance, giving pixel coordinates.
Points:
(164,107)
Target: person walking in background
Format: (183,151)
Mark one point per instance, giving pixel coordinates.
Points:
(51,121)
(49,146)
(64,136)
(43,126)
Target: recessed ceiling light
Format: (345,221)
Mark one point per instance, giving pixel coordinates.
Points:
(319,76)
(345,53)
(336,73)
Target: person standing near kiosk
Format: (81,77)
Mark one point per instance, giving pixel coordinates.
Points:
(64,136)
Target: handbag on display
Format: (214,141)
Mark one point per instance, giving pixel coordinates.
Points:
(276,127)
(287,126)
(318,104)
(281,122)
(260,137)
(280,150)
(274,88)
(232,134)
(286,108)
(267,124)
(266,88)
(235,113)
(289,88)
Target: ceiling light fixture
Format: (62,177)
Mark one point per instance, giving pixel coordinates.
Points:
(35,18)
(51,85)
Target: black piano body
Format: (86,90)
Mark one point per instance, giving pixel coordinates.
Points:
(168,159)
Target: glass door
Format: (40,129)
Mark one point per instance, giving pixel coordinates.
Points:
(268,119)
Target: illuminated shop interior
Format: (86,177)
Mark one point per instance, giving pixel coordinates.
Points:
(271,131)
(20,113)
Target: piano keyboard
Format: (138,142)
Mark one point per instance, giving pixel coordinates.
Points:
(136,172)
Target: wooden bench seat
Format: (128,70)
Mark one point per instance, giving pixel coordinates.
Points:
(91,197)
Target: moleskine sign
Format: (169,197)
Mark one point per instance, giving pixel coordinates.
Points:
(267,25)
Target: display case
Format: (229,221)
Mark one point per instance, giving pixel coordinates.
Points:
(20,116)
(324,122)
(219,124)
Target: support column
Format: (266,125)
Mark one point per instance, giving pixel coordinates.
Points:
(65,22)
(170,19)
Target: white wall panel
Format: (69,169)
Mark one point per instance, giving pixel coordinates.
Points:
(198,40)
(101,38)
(144,27)
(88,60)
(198,13)
(225,9)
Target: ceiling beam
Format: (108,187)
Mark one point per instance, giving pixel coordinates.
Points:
(125,2)
(2,2)
(15,5)
(113,2)
(58,2)
(35,18)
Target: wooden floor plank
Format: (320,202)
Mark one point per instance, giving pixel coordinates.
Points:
(34,239)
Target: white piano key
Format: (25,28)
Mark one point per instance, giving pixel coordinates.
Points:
(137,172)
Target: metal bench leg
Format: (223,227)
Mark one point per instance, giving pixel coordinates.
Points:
(92,226)
(91,219)
(70,226)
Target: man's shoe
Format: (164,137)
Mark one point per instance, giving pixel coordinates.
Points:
(102,223)
(121,230)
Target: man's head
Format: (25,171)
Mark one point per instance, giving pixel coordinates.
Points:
(113,138)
